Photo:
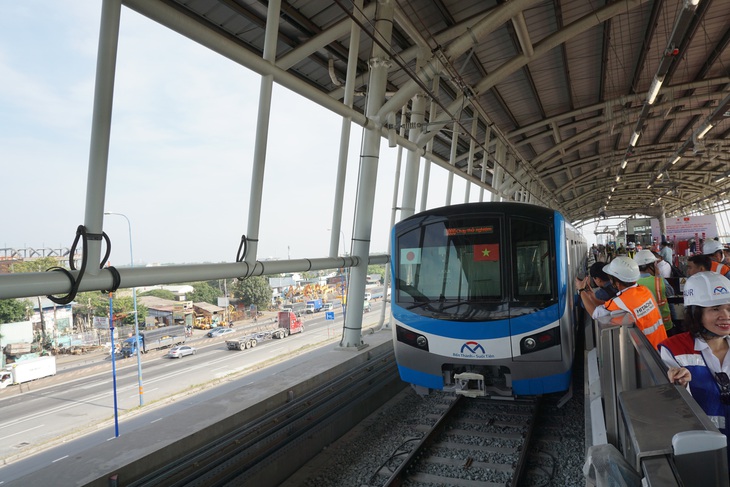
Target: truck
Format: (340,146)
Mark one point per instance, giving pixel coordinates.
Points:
(296,308)
(28,370)
(166,336)
(287,323)
(313,306)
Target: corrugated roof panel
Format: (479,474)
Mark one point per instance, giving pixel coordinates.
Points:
(548,73)
(584,60)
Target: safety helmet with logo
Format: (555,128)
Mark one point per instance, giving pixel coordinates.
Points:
(706,289)
(711,246)
(631,245)
(644,257)
(624,269)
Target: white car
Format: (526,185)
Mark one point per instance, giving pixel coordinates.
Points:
(180,351)
(216,332)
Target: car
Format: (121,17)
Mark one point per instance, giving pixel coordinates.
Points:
(328,307)
(216,332)
(180,351)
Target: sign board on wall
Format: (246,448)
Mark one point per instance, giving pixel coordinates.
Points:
(686,227)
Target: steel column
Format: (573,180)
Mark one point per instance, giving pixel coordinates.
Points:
(429,147)
(470,160)
(379,62)
(106,61)
(262,132)
(452,162)
(345,132)
(413,158)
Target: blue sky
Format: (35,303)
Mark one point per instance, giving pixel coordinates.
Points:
(181,148)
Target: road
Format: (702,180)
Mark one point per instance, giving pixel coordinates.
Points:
(47,424)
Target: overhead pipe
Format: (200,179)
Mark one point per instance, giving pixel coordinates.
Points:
(23,285)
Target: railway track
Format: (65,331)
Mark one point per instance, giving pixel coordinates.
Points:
(480,443)
(260,452)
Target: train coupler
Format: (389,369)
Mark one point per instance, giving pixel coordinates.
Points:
(469,384)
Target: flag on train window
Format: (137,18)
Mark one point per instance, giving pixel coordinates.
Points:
(486,253)
(410,256)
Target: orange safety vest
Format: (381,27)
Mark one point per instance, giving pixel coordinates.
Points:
(721,269)
(656,285)
(639,301)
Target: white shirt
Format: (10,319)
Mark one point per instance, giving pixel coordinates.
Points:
(701,346)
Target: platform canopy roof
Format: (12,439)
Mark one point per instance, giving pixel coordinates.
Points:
(589,106)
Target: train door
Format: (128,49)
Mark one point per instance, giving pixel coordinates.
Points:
(534,310)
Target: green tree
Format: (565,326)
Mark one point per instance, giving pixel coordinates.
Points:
(40,264)
(253,290)
(376,269)
(97,304)
(204,292)
(160,293)
(14,310)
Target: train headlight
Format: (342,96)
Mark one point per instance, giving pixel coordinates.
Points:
(540,341)
(411,338)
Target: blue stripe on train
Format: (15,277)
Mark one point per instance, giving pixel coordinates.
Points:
(542,385)
(420,378)
(466,330)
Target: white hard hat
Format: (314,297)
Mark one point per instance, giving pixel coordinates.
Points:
(706,289)
(711,246)
(644,257)
(624,269)
(631,245)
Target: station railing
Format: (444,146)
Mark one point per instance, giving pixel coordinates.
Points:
(656,429)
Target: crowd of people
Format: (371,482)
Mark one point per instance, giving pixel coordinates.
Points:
(695,350)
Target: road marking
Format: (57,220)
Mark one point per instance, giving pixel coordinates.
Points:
(22,432)
(59,459)
(156,420)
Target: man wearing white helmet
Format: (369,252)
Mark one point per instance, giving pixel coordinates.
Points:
(699,357)
(659,287)
(631,246)
(635,299)
(713,249)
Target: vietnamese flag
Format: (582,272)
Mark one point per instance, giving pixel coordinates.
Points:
(486,253)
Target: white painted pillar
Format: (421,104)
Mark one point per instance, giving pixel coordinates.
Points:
(485,160)
(379,63)
(262,133)
(352,59)
(452,161)
(470,160)
(413,157)
(429,148)
(96,180)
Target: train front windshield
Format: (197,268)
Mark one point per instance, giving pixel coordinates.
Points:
(466,269)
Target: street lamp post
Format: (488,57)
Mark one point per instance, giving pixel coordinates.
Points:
(136,320)
(347,271)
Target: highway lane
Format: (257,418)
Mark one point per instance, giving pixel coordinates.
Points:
(47,415)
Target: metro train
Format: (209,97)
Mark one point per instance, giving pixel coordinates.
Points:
(483,299)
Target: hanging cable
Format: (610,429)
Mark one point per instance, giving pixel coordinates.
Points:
(84,236)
